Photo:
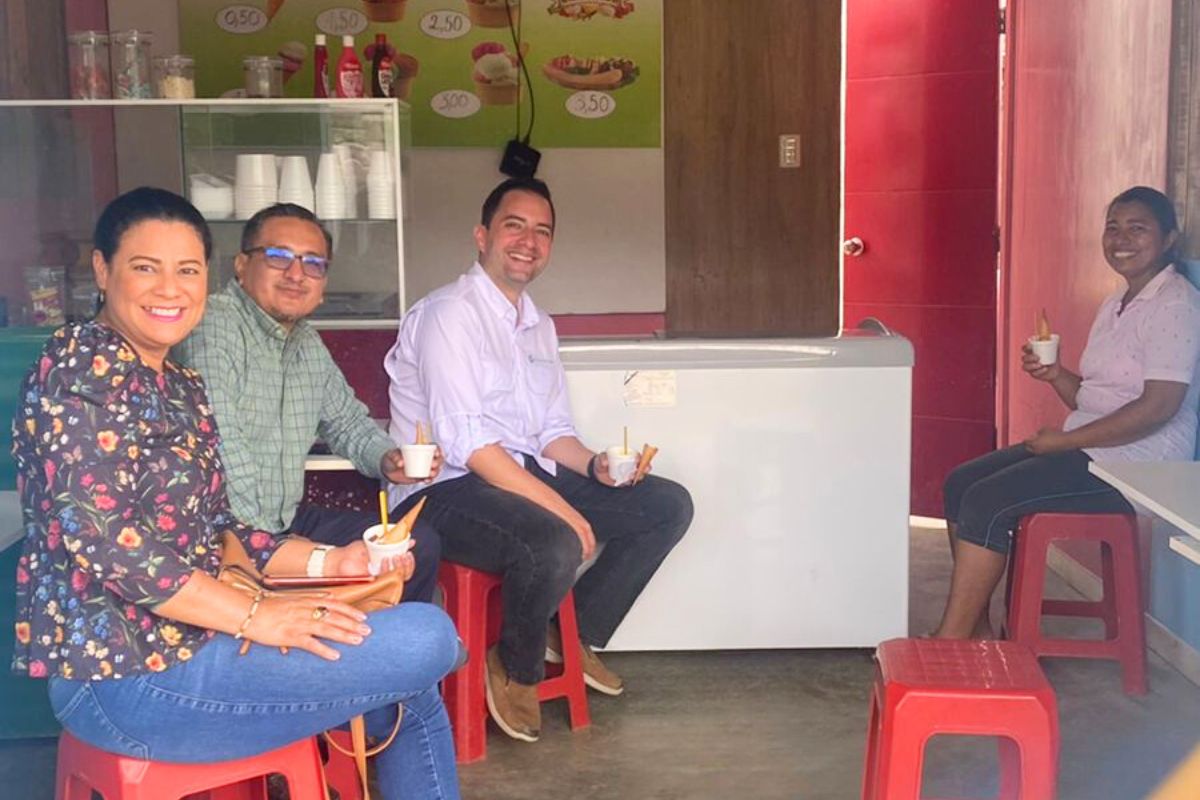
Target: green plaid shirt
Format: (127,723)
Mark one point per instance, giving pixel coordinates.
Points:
(274,394)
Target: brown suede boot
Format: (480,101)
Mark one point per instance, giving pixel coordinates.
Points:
(595,674)
(514,706)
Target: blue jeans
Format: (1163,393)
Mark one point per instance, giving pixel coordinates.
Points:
(537,553)
(219,706)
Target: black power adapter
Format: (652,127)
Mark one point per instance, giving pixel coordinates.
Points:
(519,160)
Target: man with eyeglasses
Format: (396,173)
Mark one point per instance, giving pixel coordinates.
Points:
(276,389)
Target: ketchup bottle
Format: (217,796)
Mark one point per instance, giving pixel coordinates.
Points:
(349,71)
(381,68)
(321,67)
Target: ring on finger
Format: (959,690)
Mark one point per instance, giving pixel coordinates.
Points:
(319,612)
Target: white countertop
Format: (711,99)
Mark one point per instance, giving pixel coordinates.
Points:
(1167,489)
(852,349)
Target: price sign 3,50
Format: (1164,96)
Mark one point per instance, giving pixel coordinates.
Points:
(591,105)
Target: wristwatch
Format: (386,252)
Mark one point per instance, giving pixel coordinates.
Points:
(316,561)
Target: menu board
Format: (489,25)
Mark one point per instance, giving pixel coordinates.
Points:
(594,66)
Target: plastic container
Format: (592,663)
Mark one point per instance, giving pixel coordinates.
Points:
(263,76)
(349,79)
(88,53)
(175,77)
(131,64)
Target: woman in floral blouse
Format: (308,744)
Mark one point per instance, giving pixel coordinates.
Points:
(124,511)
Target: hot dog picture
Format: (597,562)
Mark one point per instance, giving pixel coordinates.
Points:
(586,9)
(590,74)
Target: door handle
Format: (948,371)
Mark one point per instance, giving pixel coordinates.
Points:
(854,247)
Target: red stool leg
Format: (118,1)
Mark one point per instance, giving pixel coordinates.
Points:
(1108,604)
(341,773)
(463,691)
(901,757)
(1131,619)
(1028,580)
(569,682)
(305,779)
(871,757)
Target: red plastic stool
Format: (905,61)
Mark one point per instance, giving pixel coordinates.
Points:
(925,687)
(83,768)
(1121,607)
(473,602)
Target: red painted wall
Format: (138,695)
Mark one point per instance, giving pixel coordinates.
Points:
(1089,98)
(920,190)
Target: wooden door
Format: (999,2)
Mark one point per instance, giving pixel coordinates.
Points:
(920,192)
(751,247)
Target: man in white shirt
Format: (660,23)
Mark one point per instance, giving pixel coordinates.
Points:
(519,494)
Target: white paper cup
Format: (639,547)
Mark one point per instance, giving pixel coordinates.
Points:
(418,459)
(1045,349)
(621,465)
(379,552)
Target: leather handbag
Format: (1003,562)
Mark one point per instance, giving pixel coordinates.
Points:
(385,591)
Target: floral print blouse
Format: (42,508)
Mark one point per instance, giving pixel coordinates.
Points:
(123,498)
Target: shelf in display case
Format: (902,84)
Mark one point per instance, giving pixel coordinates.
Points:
(84,159)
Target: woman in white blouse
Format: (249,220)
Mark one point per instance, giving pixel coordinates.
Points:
(1134,399)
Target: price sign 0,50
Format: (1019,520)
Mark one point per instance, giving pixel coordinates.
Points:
(591,105)
(455,103)
(341,22)
(241,19)
(445,24)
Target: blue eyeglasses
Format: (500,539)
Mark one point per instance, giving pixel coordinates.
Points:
(281,258)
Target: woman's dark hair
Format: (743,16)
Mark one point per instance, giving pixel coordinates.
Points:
(139,205)
(255,224)
(1159,204)
(532,185)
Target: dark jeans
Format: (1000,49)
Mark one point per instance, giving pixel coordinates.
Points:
(538,554)
(987,496)
(340,527)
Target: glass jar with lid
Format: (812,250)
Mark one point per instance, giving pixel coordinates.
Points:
(175,77)
(263,76)
(88,54)
(131,64)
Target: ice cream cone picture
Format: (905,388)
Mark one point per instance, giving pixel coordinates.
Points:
(494,13)
(292,54)
(384,10)
(496,74)
(403,529)
(273,7)
(404,69)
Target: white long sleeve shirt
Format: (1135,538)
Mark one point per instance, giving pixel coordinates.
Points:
(481,373)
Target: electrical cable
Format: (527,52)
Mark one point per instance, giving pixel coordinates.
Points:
(514,30)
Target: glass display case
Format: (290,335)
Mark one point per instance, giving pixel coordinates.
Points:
(63,160)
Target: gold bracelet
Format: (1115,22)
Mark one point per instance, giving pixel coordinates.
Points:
(241,631)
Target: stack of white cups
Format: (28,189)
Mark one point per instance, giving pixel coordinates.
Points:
(256,186)
(349,178)
(331,189)
(295,183)
(381,188)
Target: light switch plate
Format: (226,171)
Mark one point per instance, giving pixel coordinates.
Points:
(789,150)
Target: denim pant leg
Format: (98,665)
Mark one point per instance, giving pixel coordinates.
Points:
(638,525)
(340,527)
(534,551)
(992,506)
(220,706)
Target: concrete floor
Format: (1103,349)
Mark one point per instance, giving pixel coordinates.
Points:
(789,724)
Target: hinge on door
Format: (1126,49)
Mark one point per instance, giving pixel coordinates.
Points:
(1002,20)
(996,238)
